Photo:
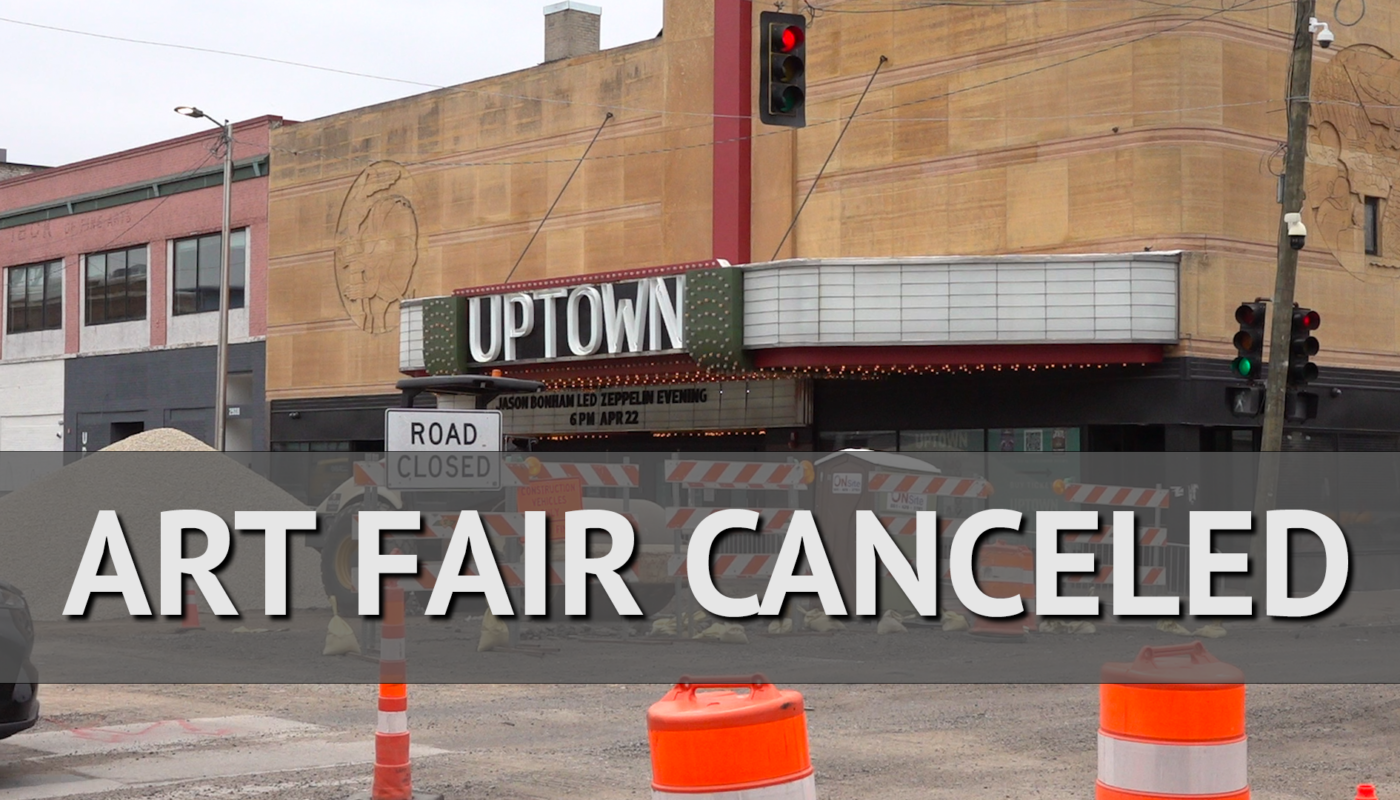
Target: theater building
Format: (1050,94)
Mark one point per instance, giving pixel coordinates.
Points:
(1033,236)
(110,285)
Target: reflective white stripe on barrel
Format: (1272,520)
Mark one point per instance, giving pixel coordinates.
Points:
(391,650)
(1006,575)
(393,722)
(805,789)
(1184,769)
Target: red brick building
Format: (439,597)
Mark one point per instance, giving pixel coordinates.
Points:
(109,273)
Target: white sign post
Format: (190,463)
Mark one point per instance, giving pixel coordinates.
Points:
(442,449)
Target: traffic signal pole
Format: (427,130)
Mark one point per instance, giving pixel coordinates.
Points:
(1276,386)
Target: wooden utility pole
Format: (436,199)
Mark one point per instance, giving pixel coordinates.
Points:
(1281,313)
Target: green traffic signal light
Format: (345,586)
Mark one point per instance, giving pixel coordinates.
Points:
(787,99)
(1249,341)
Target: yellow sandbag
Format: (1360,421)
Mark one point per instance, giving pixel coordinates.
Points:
(953,621)
(818,621)
(663,626)
(1064,626)
(780,626)
(1212,631)
(494,633)
(715,631)
(890,624)
(1173,627)
(697,617)
(339,638)
(734,634)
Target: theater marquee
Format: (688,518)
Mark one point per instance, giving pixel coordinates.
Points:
(731,405)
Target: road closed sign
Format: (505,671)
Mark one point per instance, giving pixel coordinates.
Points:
(442,449)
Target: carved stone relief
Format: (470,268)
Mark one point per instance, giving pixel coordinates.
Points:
(1354,153)
(376,245)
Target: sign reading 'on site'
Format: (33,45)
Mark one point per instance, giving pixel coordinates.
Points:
(442,449)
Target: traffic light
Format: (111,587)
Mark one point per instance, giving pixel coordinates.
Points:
(782,81)
(1249,341)
(1302,346)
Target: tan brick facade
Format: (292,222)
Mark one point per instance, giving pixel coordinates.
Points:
(1075,127)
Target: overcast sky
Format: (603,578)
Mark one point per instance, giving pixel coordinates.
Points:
(69,97)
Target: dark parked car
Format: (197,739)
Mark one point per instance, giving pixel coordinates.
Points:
(19,698)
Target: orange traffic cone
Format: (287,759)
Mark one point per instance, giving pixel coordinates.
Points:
(726,743)
(190,621)
(393,772)
(1366,791)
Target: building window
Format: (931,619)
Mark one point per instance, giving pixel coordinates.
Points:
(197,272)
(1373,226)
(116,286)
(36,298)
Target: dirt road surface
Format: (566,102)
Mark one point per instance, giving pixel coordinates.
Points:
(891,742)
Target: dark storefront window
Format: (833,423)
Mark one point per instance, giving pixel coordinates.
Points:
(311,447)
(197,272)
(860,440)
(956,441)
(116,286)
(36,297)
(963,440)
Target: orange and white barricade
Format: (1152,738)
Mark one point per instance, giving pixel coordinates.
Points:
(597,475)
(1172,727)
(941,485)
(730,745)
(892,484)
(1153,554)
(1005,570)
(788,478)
(754,475)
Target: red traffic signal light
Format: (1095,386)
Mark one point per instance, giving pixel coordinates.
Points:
(1301,346)
(788,39)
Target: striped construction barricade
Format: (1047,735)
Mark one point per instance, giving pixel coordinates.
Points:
(1154,557)
(752,475)
(941,485)
(1172,727)
(737,557)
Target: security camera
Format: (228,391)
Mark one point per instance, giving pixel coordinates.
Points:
(1325,37)
(1297,233)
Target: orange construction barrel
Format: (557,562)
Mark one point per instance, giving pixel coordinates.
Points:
(710,737)
(1171,726)
(1005,570)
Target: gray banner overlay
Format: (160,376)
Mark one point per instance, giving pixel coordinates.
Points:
(52,504)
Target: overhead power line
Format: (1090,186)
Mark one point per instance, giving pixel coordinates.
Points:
(818,9)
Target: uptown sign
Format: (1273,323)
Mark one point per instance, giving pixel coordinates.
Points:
(640,316)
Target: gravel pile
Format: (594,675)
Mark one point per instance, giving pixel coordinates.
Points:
(45,526)
(160,440)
